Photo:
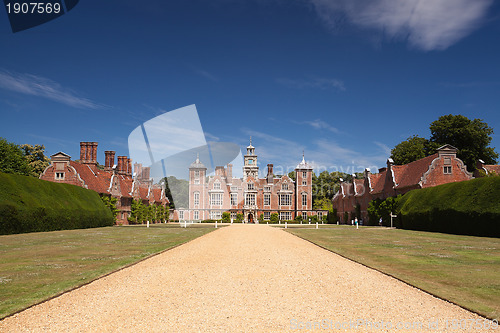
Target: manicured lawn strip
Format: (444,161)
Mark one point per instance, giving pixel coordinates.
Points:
(462,269)
(36,266)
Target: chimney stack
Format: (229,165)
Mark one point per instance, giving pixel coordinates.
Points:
(270,173)
(138,170)
(109,160)
(94,153)
(122,168)
(129,167)
(229,173)
(146,173)
(88,152)
(83,152)
(219,171)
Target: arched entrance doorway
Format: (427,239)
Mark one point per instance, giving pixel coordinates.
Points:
(250,218)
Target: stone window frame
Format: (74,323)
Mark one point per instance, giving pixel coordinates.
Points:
(59,176)
(267,199)
(250,199)
(234,199)
(285,199)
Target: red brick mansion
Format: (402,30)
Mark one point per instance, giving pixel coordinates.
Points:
(251,196)
(112,180)
(440,168)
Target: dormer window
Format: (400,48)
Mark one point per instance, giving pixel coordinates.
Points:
(284,187)
(447,170)
(59,176)
(251,186)
(216,186)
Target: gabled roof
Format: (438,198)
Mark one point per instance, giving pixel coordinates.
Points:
(411,174)
(377,181)
(62,154)
(360,184)
(95,179)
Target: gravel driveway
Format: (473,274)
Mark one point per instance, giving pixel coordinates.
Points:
(244,278)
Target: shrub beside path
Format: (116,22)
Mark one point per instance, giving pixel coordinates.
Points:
(243,278)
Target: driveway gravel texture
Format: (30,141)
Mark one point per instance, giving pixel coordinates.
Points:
(246,278)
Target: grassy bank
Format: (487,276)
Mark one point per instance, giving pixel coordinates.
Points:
(462,269)
(36,266)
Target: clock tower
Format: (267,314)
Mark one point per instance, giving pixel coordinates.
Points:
(250,169)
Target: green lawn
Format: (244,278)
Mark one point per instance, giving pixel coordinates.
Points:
(36,266)
(462,269)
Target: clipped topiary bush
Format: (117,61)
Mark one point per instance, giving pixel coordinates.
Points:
(468,208)
(28,204)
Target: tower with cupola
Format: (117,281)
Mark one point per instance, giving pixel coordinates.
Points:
(250,168)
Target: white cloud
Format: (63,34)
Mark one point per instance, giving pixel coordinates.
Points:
(317,83)
(42,87)
(320,124)
(385,148)
(426,24)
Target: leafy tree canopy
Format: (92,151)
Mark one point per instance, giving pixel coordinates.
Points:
(12,159)
(414,148)
(471,137)
(35,156)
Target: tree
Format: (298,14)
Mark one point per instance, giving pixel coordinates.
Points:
(239,217)
(12,159)
(379,208)
(138,212)
(298,218)
(291,175)
(274,218)
(178,188)
(261,218)
(332,216)
(323,204)
(471,137)
(35,156)
(414,148)
(226,217)
(110,202)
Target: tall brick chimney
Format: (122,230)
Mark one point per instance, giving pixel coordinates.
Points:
(229,173)
(121,168)
(138,170)
(219,171)
(109,160)
(83,152)
(269,173)
(88,152)
(129,167)
(93,160)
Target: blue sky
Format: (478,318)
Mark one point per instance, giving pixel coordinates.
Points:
(344,80)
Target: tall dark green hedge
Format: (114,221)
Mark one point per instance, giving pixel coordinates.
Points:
(28,204)
(468,208)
